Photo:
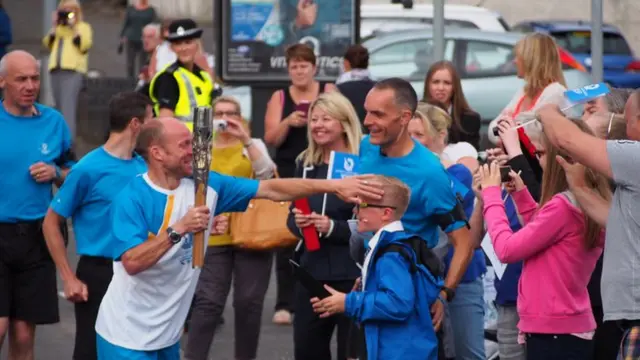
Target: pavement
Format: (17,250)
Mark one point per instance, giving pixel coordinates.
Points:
(55,342)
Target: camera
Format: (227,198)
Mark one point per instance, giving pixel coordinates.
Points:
(65,17)
(219,125)
(496,131)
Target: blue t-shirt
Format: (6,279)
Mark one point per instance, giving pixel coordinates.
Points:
(86,196)
(431,187)
(27,140)
(478,264)
(142,209)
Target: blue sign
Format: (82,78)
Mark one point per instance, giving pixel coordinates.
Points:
(342,165)
(256,34)
(586,93)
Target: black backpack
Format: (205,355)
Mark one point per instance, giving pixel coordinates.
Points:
(424,255)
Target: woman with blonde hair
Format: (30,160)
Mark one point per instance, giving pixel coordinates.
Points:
(234,153)
(559,245)
(538,63)
(430,126)
(333,126)
(68,42)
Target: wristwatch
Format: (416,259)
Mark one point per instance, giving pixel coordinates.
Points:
(174,236)
(451,293)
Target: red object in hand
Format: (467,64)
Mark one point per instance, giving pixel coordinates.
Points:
(309,233)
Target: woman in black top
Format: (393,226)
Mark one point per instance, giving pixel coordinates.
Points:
(333,126)
(442,85)
(286,130)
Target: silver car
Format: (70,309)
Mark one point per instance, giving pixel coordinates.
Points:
(484,61)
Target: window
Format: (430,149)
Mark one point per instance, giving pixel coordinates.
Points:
(522,28)
(579,42)
(488,58)
(407,59)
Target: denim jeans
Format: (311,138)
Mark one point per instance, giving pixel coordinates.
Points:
(467,320)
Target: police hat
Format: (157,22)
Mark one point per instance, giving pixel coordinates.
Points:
(184,29)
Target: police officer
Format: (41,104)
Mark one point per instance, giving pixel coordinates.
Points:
(183,85)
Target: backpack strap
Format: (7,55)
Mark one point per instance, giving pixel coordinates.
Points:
(424,256)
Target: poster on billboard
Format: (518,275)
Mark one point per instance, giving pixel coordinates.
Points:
(256,33)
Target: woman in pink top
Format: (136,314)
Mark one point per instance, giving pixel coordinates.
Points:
(559,246)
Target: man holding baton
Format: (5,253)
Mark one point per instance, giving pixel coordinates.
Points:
(153,222)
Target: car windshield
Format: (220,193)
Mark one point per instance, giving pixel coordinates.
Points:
(579,42)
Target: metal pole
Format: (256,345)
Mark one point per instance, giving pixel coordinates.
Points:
(438,30)
(46,96)
(596,40)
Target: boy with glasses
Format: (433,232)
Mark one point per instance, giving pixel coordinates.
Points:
(401,279)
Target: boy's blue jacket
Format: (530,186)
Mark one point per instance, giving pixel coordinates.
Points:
(394,307)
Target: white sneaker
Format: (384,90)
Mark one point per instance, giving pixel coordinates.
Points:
(282,317)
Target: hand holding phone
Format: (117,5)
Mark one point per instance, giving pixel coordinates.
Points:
(303,106)
(504,173)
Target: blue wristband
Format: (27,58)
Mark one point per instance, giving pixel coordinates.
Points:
(58,172)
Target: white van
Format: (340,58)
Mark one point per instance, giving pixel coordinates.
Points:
(389,17)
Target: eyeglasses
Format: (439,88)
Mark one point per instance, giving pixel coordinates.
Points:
(365,205)
(220,114)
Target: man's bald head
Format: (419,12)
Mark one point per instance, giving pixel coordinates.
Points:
(20,80)
(632,116)
(153,132)
(17,58)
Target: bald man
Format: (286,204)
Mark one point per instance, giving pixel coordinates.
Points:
(153,221)
(35,154)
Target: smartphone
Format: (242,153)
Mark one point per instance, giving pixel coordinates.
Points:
(315,287)
(504,173)
(303,106)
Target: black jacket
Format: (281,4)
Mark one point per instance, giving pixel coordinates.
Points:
(470,132)
(333,260)
(356,91)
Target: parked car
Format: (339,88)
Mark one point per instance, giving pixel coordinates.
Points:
(392,17)
(483,59)
(621,67)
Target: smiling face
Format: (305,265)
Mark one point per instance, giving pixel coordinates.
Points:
(441,86)
(186,50)
(174,152)
(384,120)
(325,129)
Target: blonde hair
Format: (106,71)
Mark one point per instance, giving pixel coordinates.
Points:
(396,194)
(77,9)
(338,107)
(541,61)
(434,119)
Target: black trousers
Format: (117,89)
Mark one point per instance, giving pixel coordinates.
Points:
(96,273)
(607,337)
(312,335)
(558,347)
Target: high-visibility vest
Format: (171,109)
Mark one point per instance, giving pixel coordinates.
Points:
(194,91)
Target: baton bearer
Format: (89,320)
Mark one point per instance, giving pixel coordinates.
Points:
(202,140)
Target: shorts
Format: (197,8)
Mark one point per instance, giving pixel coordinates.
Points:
(108,351)
(28,284)
(96,273)
(630,345)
